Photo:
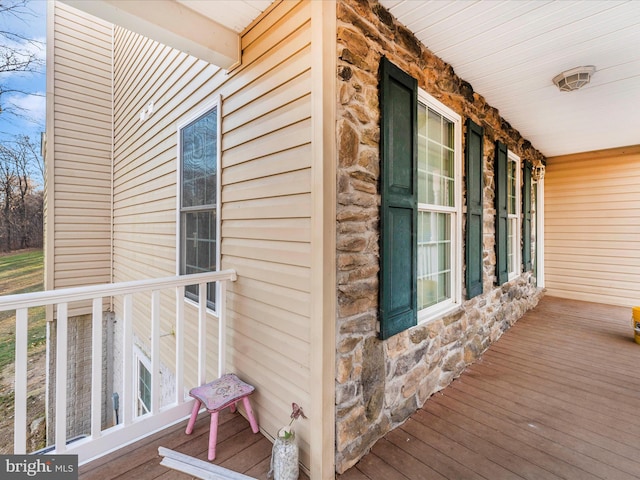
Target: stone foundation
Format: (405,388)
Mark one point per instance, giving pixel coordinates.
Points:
(379,384)
(79,358)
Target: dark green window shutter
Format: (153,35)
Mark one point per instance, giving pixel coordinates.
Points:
(473,171)
(526,221)
(398,212)
(500,172)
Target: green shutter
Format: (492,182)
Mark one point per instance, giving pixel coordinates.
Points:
(474,177)
(398,212)
(502,270)
(526,223)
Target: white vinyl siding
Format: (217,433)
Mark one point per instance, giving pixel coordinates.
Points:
(78,192)
(265,110)
(592,226)
(266,196)
(145,175)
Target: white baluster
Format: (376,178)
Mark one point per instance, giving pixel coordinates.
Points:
(179,345)
(202,333)
(127,403)
(96,369)
(20,389)
(61,379)
(155,352)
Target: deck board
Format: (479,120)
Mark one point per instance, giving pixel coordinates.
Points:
(557,397)
(238,449)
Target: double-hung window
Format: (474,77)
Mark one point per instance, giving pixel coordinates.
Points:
(198,155)
(513,214)
(438,234)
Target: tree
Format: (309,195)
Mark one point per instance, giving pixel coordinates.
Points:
(21,202)
(18,53)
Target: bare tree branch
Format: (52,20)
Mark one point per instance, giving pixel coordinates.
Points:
(20,202)
(18,53)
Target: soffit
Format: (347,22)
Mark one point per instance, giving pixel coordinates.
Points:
(207,29)
(234,14)
(510,50)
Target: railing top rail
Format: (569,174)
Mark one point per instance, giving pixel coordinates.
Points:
(51,297)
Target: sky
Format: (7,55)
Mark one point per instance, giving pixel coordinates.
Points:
(32,26)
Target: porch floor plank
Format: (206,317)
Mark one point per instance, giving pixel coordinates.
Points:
(238,449)
(556,397)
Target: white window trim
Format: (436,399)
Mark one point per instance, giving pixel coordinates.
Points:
(188,119)
(517,237)
(441,309)
(139,357)
(539,184)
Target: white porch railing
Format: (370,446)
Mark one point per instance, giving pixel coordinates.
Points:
(131,428)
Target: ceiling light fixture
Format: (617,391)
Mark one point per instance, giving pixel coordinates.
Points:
(574,79)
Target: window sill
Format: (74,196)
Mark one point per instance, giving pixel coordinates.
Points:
(196,305)
(437,312)
(513,276)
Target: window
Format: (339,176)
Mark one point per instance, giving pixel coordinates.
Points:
(513,215)
(507,203)
(198,155)
(143,393)
(438,233)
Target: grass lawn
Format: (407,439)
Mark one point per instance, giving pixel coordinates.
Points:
(21,272)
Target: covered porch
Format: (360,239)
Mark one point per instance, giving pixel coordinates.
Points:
(556,397)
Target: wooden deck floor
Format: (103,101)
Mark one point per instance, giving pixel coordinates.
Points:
(558,396)
(238,449)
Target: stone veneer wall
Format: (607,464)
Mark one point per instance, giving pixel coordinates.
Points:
(379,384)
(79,358)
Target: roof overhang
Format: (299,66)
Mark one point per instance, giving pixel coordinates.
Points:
(170,23)
(510,51)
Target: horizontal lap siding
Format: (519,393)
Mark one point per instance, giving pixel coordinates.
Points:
(82,146)
(592,226)
(145,177)
(266,196)
(266,213)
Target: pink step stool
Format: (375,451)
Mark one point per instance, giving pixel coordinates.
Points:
(224,392)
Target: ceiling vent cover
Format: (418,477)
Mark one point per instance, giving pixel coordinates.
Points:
(574,79)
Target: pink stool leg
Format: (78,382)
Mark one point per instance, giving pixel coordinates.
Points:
(213,436)
(232,407)
(194,416)
(252,418)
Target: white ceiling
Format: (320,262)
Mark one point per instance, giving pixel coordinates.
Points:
(234,14)
(509,50)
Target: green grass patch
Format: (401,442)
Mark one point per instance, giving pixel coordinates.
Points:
(21,273)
